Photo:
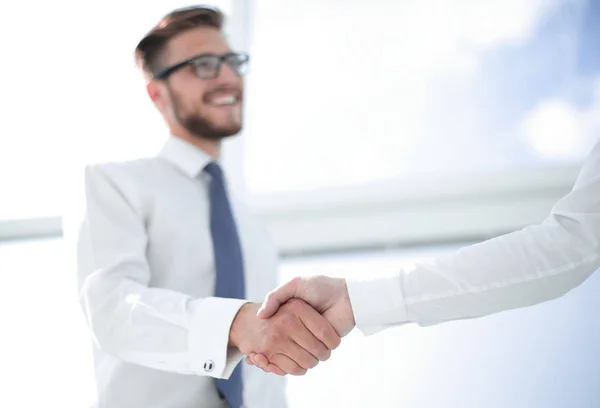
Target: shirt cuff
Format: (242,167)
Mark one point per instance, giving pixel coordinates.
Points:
(209,337)
(376,303)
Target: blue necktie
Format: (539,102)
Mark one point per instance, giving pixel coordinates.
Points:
(229,265)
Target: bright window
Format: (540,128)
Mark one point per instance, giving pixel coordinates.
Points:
(348,93)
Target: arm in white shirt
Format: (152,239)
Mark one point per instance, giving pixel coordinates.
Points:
(130,320)
(533,265)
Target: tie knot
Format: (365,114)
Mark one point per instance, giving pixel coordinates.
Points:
(214,170)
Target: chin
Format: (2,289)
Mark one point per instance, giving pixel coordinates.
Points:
(231,129)
(223,132)
(214,129)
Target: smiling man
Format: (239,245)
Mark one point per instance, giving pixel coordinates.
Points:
(166,260)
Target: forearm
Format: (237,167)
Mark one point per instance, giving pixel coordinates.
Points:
(527,267)
(144,325)
(159,328)
(538,263)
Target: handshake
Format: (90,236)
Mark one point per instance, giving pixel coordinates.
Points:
(297,326)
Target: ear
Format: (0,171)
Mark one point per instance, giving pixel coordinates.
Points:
(157,94)
(153,91)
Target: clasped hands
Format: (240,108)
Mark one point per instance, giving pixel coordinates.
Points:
(298,325)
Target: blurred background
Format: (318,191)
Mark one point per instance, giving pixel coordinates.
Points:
(377,133)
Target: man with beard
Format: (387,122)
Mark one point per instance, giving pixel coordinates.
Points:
(166,259)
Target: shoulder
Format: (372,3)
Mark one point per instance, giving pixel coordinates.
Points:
(131,174)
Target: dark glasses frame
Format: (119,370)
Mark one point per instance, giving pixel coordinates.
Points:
(242,57)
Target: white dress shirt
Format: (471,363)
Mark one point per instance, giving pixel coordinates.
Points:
(533,265)
(146,283)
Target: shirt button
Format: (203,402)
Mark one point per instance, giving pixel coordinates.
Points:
(208,366)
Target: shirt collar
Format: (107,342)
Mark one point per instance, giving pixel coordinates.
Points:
(184,155)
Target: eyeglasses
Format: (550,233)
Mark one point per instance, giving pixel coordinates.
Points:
(207,66)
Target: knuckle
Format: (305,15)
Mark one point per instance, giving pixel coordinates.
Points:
(325,355)
(295,304)
(292,307)
(274,337)
(337,341)
(308,362)
(324,333)
(295,282)
(288,321)
(301,371)
(315,347)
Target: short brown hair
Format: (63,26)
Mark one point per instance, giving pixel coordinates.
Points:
(149,51)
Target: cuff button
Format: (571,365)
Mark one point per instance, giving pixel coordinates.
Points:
(209,366)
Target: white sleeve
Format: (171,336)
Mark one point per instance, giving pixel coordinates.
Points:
(533,265)
(148,326)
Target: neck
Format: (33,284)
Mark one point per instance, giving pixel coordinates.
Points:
(208,146)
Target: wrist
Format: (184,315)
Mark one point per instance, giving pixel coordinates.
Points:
(348,304)
(240,323)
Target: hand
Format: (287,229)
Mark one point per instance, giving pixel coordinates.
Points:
(295,338)
(328,296)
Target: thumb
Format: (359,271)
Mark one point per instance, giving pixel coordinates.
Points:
(276,298)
